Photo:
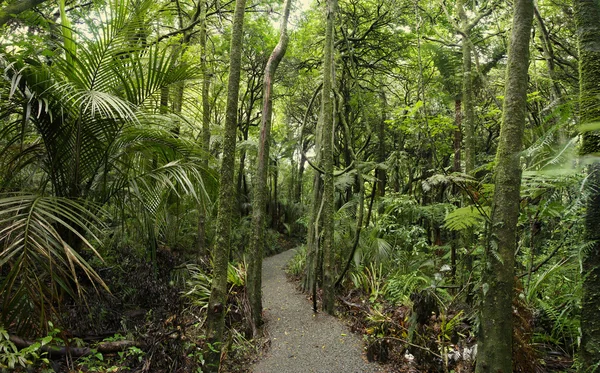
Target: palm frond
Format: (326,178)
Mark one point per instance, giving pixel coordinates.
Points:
(39,237)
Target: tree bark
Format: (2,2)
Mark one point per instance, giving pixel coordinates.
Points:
(57,352)
(382,154)
(468,118)
(494,344)
(215,321)
(548,54)
(11,10)
(327,159)
(201,243)
(257,240)
(587,16)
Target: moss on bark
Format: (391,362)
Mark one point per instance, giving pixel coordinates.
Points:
(587,14)
(495,334)
(215,321)
(327,159)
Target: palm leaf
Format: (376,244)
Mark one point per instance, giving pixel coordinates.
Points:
(40,260)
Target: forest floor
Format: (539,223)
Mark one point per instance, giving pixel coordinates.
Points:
(300,340)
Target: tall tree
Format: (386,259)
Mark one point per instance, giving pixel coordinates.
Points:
(468,116)
(201,244)
(215,321)
(257,240)
(495,335)
(587,14)
(327,158)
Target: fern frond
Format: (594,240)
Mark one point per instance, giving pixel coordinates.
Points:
(465,218)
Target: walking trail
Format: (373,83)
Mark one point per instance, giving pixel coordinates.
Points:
(302,341)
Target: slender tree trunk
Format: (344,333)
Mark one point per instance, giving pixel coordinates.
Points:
(257,240)
(360,207)
(202,246)
(275,197)
(312,241)
(456,167)
(382,154)
(587,14)
(299,179)
(242,197)
(548,54)
(457,135)
(494,344)
(215,321)
(468,119)
(327,159)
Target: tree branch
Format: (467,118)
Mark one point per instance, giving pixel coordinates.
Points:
(11,10)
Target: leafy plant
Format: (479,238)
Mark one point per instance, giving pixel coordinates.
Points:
(40,237)
(370,280)
(297,264)
(400,286)
(11,357)
(466,218)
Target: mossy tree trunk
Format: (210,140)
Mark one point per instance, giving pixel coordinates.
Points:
(257,240)
(327,159)
(215,321)
(587,14)
(495,335)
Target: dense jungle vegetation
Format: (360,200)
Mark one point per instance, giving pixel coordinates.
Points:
(433,163)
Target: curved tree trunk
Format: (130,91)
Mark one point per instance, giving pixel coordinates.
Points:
(587,13)
(494,344)
(215,321)
(257,240)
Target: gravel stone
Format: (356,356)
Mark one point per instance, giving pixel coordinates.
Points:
(302,341)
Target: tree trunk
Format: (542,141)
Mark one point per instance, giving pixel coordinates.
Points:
(327,159)
(494,344)
(468,119)
(360,207)
(299,179)
(587,15)
(548,50)
(312,240)
(10,11)
(257,240)
(457,135)
(275,197)
(201,244)
(381,156)
(215,321)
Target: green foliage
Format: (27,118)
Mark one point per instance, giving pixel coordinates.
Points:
(370,280)
(198,282)
(297,264)
(468,217)
(42,238)
(236,274)
(11,357)
(400,286)
(197,287)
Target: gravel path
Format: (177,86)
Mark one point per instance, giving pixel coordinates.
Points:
(302,341)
